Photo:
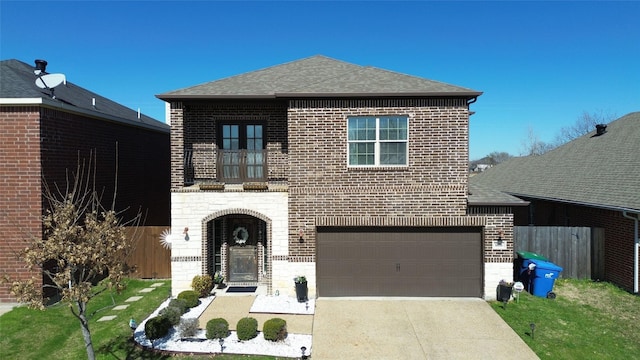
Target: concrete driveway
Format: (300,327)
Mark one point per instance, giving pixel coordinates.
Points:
(413,328)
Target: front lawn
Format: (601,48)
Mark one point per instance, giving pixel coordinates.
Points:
(587,320)
(55,333)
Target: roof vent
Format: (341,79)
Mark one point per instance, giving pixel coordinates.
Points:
(41,66)
(601,129)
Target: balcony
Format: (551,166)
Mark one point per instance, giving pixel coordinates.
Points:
(225,166)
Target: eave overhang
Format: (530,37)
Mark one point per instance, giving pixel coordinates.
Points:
(466,95)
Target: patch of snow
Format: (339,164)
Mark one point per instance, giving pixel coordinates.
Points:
(290,347)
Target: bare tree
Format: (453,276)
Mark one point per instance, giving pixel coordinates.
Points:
(496,157)
(85,240)
(583,125)
(532,145)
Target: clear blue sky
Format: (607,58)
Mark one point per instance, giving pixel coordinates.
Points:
(539,64)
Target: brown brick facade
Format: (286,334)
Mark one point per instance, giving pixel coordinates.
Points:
(434,184)
(39,142)
(195,126)
(20,198)
(142,160)
(307,158)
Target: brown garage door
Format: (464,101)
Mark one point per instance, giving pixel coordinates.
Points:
(363,261)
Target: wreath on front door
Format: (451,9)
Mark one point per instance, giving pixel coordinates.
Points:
(240,235)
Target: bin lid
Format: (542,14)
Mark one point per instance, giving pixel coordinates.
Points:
(531,255)
(546,265)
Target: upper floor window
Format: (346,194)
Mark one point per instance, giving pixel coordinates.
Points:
(378,140)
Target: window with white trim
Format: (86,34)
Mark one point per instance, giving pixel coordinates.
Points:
(378,140)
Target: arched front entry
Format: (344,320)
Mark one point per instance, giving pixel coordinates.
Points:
(237,245)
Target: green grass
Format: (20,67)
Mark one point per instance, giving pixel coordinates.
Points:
(55,333)
(587,320)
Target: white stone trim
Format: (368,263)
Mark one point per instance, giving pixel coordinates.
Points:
(188,209)
(493,273)
(284,272)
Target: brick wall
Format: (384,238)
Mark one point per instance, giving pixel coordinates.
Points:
(618,230)
(320,183)
(177,145)
(20,191)
(142,161)
(195,125)
(42,142)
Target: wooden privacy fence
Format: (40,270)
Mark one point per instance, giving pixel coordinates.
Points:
(151,259)
(578,250)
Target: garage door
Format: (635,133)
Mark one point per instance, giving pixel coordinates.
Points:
(364,261)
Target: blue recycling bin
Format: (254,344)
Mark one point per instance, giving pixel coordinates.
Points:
(522,271)
(524,258)
(544,276)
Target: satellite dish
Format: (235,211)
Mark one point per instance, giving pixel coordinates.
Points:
(49,81)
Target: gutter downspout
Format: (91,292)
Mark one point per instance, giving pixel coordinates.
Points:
(636,246)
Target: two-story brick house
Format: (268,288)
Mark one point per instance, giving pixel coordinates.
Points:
(353,176)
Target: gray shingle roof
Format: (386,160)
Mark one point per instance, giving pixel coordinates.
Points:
(319,76)
(601,171)
(17,81)
(480,195)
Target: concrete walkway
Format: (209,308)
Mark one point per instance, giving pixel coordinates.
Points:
(416,328)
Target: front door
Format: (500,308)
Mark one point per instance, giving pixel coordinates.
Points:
(242,155)
(243,250)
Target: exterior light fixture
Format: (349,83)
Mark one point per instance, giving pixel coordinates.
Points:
(533,329)
(301,235)
(221,341)
(186,234)
(303,349)
(500,233)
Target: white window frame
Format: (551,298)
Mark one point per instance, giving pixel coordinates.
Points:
(377,143)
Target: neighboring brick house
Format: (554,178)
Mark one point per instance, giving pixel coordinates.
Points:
(353,176)
(44,136)
(591,181)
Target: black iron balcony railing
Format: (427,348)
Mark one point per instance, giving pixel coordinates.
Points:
(238,166)
(229,166)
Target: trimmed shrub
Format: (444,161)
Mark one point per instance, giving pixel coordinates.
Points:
(180,304)
(202,284)
(188,327)
(247,328)
(275,329)
(157,327)
(190,298)
(173,314)
(217,328)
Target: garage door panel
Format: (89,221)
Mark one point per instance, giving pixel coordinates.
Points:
(396,262)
